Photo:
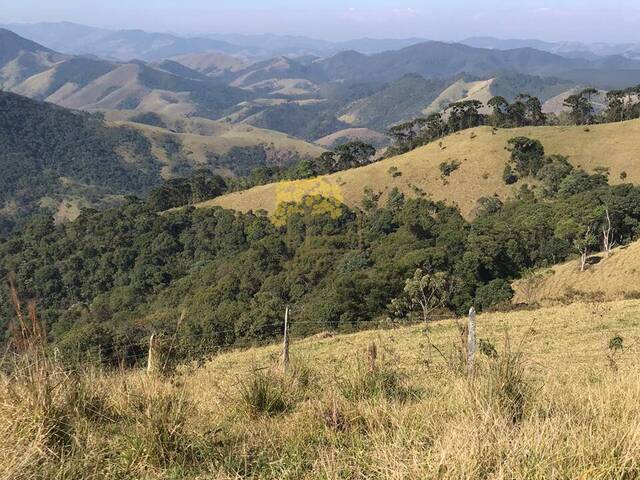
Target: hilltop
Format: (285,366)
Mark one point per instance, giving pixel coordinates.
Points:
(482,156)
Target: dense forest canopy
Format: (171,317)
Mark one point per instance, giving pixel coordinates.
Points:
(106,279)
(48,151)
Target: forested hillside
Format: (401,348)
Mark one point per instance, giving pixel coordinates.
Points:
(52,155)
(232,273)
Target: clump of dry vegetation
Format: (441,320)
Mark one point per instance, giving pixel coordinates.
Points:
(542,402)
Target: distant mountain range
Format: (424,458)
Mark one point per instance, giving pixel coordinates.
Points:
(306,96)
(126,45)
(589,51)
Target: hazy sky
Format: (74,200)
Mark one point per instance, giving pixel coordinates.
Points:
(592,20)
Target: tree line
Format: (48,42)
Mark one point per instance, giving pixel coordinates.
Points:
(524,110)
(203,185)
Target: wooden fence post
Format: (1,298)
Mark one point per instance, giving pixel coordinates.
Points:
(471,340)
(153,359)
(285,345)
(372,355)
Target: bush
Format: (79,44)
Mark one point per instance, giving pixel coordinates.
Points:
(527,155)
(493,293)
(447,168)
(508,176)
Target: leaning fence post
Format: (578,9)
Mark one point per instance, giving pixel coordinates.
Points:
(471,340)
(285,344)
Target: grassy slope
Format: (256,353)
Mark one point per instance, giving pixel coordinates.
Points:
(577,401)
(200,135)
(364,134)
(610,278)
(580,419)
(462,90)
(482,155)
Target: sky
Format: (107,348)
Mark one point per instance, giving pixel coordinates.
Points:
(583,20)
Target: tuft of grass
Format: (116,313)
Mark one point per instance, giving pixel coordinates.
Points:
(158,415)
(504,385)
(266,392)
(373,379)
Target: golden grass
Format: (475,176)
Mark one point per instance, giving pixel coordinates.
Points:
(482,154)
(463,90)
(200,136)
(364,134)
(606,278)
(581,416)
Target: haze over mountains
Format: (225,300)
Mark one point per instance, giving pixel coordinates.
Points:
(289,97)
(307,96)
(125,45)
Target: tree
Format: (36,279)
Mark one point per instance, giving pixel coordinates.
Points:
(580,235)
(584,244)
(434,127)
(527,155)
(581,106)
(534,110)
(465,114)
(554,171)
(500,107)
(349,155)
(615,111)
(517,113)
(425,291)
(354,154)
(607,233)
(405,134)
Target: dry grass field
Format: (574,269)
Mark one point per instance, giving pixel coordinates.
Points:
(199,136)
(483,156)
(559,400)
(606,278)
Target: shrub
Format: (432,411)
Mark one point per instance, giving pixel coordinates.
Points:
(447,168)
(394,172)
(493,293)
(508,176)
(527,155)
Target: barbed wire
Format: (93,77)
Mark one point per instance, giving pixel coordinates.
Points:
(211,344)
